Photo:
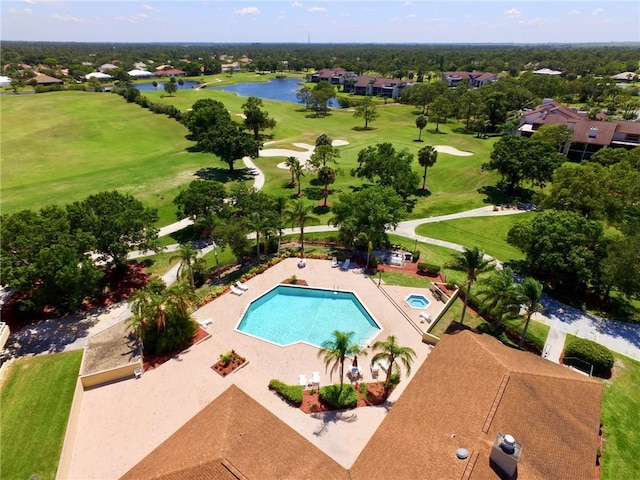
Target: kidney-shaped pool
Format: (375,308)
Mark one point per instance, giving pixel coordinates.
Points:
(289,314)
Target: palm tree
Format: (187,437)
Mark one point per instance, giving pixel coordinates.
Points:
(291,165)
(530,295)
(189,262)
(296,169)
(390,351)
(499,293)
(473,261)
(149,309)
(258,224)
(337,349)
(427,157)
(326,176)
(206,224)
(300,213)
(421,123)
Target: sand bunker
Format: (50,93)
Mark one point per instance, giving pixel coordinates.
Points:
(452,151)
(303,157)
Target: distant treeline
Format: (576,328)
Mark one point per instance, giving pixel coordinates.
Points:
(398,60)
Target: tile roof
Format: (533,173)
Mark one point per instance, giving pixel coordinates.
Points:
(470,388)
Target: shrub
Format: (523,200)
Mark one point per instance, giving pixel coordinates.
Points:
(293,280)
(416,256)
(590,352)
(429,269)
(178,332)
(337,397)
(291,393)
(363,388)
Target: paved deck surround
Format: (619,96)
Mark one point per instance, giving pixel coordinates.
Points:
(122,422)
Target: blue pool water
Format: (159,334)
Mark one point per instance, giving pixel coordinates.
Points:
(287,315)
(417,301)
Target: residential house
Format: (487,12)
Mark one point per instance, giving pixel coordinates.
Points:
(626,77)
(449,423)
(107,67)
(170,72)
(474,79)
(547,71)
(588,135)
(373,85)
(42,79)
(335,76)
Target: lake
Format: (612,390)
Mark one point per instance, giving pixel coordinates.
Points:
(148,87)
(281,89)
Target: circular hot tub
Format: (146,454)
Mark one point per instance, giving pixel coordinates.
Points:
(418,301)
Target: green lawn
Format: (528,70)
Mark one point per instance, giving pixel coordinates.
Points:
(620,421)
(36,399)
(80,143)
(490,233)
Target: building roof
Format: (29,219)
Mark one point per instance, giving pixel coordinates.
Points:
(99,75)
(236,437)
(43,79)
(170,72)
(139,73)
(470,388)
(547,71)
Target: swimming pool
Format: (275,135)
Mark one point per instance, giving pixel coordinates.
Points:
(417,301)
(290,314)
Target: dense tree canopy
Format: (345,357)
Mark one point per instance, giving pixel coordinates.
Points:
(199,198)
(256,119)
(386,167)
(371,210)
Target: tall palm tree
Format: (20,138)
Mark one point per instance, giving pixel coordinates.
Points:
(390,351)
(280,207)
(326,176)
(421,123)
(499,293)
(337,349)
(291,162)
(427,157)
(149,309)
(258,224)
(189,262)
(473,261)
(296,169)
(206,224)
(300,213)
(181,298)
(530,295)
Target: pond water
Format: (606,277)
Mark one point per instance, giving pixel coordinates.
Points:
(148,87)
(281,89)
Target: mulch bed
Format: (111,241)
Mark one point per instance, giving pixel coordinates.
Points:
(287,281)
(223,369)
(375,396)
(154,361)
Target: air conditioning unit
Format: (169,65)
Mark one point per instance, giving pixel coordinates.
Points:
(505,455)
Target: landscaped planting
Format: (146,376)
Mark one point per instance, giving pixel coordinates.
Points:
(590,353)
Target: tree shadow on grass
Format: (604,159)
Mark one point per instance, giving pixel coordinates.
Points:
(314,193)
(462,131)
(186,235)
(224,175)
(494,196)
(362,129)
(423,193)
(321,209)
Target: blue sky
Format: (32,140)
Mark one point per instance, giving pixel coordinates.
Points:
(399,21)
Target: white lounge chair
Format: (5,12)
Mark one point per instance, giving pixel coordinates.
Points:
(424,316)
(205,322)
(236,291)
(302,380)
(334,262)
(302,263)
(315,379)
(345,264)
(241,286)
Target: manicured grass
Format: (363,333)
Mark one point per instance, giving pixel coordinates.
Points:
(537,330)
(490,233)
(620,409)
(36,399)
(80,143)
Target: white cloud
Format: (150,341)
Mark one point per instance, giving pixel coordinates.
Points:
(411,15)
(512,13)
(316,9)
(394,20)
(248,11)
(536,21)
(597,11)
(21,11)
(132,18)
(407,3)
(575,12)
(296,5)
(66,18)
(148,7)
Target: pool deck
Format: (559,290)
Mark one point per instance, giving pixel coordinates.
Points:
(121,423)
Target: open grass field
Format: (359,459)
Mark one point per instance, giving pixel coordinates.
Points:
(620,421)
(490,233)
(60,147)
(36,399)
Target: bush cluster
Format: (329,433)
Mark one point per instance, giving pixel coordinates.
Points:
(590,352)
(133,95)
(429,269)
(291,393)
(339,397)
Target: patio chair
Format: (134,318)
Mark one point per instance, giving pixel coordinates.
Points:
(334,262)
(236,291)
(302,263)
(375,370)
(242,286)
(424,316)
(345,264)
(302,380)
(315,379)
(205,322)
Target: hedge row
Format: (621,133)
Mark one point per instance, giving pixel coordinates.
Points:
(291,393)
(429,268)
(339,397)
(586,351)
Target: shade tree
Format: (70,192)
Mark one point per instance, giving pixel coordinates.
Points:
(199,198)
(255,118)
(366,110)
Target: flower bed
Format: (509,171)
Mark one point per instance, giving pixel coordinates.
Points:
(228,362)
(369,394)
